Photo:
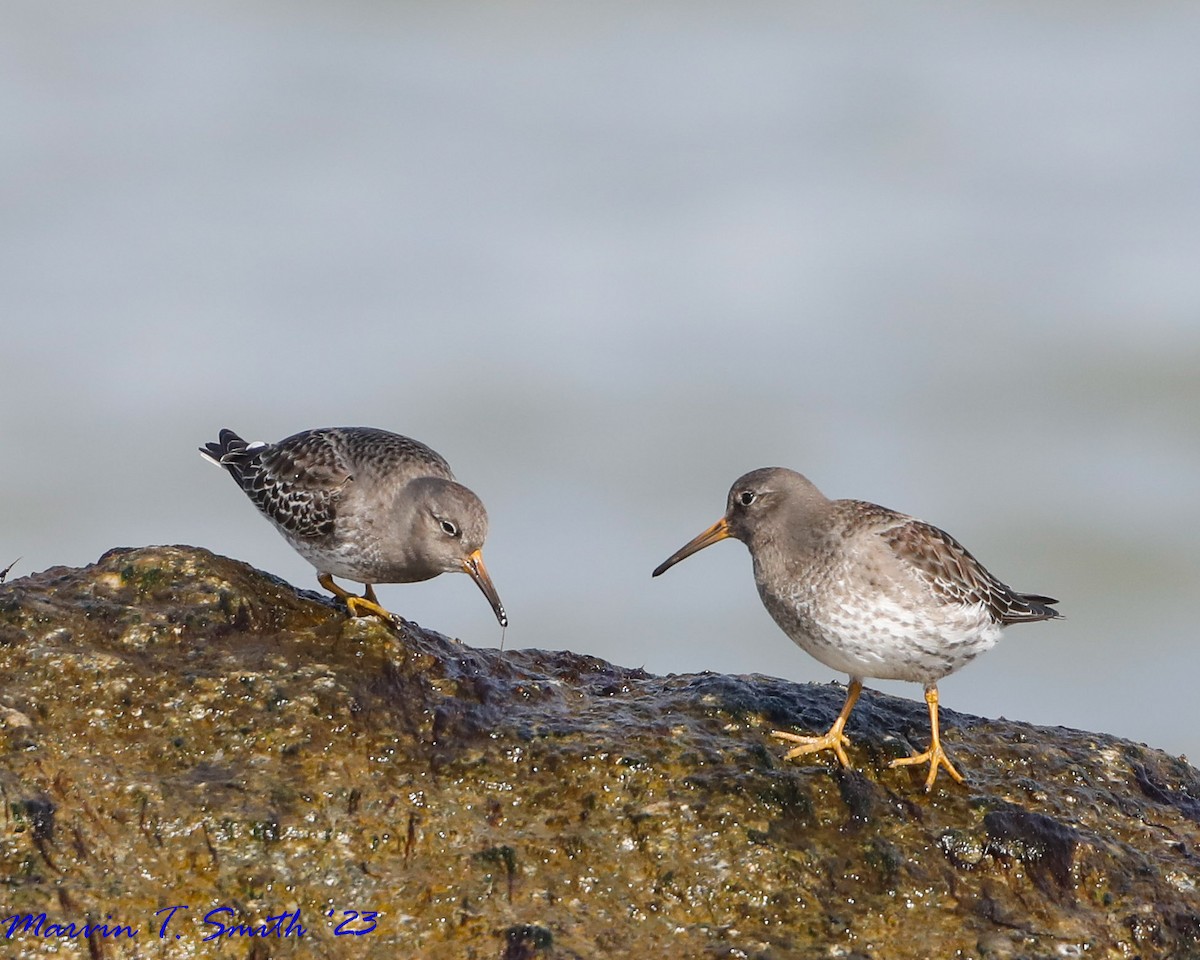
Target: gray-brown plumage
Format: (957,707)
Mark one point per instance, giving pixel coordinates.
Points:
(866,591)
(363,504)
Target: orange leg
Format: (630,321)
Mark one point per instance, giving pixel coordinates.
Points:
(367,604)
(935,756)
(833,740)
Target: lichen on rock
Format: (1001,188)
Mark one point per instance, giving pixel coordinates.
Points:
(179,729)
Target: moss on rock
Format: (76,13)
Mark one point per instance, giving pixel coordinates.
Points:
(178,728)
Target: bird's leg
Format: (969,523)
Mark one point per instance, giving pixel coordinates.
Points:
(935,756)
(834,739)
(358,606)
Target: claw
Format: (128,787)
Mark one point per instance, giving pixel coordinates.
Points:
(366,605)
(834,739)
(935,756)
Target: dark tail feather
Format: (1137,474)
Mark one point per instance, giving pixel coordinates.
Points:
(227,442)
(224,453)
(1029,607)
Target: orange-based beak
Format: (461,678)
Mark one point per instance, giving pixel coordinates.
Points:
(474,568)
(718,531)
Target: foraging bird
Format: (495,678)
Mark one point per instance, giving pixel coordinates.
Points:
(363,504)
(867,591)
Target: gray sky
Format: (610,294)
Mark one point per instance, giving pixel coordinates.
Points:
(606,259)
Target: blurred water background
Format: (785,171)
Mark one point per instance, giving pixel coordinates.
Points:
(608,257)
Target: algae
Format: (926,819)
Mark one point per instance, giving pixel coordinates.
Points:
(180,730)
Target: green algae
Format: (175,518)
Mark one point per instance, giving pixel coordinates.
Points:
(179,728)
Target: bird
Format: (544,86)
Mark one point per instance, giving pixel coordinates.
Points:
(867,591)
(363,504)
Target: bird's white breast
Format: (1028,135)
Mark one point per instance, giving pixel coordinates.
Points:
(902,633)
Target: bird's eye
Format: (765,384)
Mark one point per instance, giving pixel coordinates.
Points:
(449,528)
(747,497)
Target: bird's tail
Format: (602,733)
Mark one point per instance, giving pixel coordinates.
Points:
(229,452)
(1028,607)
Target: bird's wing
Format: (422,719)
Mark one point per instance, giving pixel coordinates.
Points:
(298,482)
(953,574)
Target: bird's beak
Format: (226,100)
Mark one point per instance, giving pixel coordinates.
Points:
(474,568)
(718,531)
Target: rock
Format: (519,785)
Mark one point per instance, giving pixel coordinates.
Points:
(181,730)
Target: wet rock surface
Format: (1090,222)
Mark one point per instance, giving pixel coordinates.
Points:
(179,729)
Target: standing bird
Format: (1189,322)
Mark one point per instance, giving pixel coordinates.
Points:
(867,591)
(363,504)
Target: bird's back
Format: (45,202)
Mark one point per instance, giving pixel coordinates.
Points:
(943,565)
(369,452)
(300,481)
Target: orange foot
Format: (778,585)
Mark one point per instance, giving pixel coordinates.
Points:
(935,756)
(366,605)
(833,739)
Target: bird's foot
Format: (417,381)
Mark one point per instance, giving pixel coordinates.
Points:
(362,607)
(936,757)
(834,740)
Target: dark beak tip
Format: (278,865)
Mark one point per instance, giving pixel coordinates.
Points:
(474,568)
